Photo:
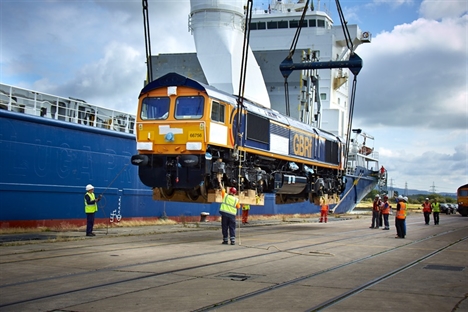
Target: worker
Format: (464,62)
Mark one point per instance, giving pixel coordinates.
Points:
(324,213)
(90,202)
(245,213)
(228,213)
(385,209)
(426,211)
(375,212)
(435,207)
(400,218)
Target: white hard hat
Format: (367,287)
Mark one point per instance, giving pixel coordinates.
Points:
(427,198)
(89,187)
(400,197)
(405,198)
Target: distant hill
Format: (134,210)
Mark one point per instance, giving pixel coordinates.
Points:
(410,192)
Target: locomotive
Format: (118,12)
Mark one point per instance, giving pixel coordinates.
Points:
(193,140)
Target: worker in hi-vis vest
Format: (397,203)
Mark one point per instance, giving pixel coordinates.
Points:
(435,207)
(90,202)
(245,213)
(228,211)
(400,218)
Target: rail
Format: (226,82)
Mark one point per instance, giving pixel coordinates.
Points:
(65,109)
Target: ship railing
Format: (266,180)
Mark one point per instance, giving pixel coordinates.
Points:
(370,162)
(65,109)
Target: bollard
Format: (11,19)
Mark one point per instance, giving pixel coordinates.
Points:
(203,216)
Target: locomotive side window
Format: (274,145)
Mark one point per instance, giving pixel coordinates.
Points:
(189,107)
(217,112)
(155,108)
(331,152)
(258,128)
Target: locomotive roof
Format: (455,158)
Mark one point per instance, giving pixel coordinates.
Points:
(174,79)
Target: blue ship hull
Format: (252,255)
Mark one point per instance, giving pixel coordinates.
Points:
(46,164)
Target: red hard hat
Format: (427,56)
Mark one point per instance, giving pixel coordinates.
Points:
(233,190)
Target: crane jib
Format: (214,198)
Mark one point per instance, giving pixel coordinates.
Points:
(354,64)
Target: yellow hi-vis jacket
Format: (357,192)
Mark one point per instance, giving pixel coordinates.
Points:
(435,207)
(229,204)
(401,214)
(90,208)
(245,207)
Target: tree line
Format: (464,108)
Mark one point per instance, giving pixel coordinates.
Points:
(417,198)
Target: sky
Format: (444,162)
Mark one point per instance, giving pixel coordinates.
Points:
(412,93)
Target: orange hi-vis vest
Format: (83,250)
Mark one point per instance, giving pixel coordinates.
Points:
(324,208)
(376,205)
(401,214)
(385,208)
(426,207)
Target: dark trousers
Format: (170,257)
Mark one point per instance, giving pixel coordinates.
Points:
(89,223)
(436,217)
(427,216)
(400,225)
(228,224)
(380,219)
(385,220)
(375,218)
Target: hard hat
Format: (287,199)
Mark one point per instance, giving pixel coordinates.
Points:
(233,190)
(427,198)
(405,198)
(89,187)
(377,195)
(400,197)
(385,197)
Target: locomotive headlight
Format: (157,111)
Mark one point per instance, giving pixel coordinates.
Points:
(193,146)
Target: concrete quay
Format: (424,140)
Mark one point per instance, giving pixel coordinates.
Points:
(299,265)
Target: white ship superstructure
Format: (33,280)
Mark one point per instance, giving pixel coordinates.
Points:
(271,33)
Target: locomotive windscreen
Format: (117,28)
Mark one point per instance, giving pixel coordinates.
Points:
(258,128)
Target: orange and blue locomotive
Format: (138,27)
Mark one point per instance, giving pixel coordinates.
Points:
(193,140)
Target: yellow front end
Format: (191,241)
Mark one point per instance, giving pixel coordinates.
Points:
(172,121)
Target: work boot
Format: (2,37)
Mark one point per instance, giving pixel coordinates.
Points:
(224,243)
(232,243)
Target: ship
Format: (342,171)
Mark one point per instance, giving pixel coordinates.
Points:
(320,96)
(53,146)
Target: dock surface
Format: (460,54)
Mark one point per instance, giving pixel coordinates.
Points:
(300,265)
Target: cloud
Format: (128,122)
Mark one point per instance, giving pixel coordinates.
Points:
(438,167)
(412,76)
(392,3)
(439,9)
(113,81)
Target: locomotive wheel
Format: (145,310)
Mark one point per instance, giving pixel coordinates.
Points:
(203,191)
(283,199)
(167,193)
(192,194)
